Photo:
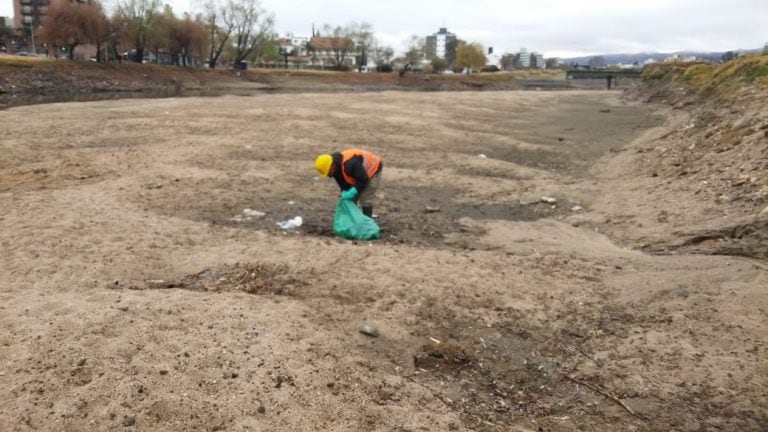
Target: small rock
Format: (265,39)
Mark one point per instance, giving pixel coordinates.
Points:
(261,409)
(163,372)
(742,122)
(153,186)
(81,362)
(129,421)
(482,156)
(605,110)
(80,404)
(40,170)
(432,210)
(369,330)
(548,200)
(577,208)
(123,308)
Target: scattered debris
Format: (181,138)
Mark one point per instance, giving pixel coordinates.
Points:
(248,213)
(291,223)
(369,330)
(604,393)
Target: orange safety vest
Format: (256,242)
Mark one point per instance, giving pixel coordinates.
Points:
(371,163)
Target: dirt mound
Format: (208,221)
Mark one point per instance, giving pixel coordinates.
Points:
(716,153)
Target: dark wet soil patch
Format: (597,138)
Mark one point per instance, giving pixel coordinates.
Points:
(244,277)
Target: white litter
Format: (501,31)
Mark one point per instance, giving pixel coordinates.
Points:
(291,223)
(253,213)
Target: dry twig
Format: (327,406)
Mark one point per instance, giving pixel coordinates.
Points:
(604,393)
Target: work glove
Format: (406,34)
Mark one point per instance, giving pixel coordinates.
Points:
(349,194)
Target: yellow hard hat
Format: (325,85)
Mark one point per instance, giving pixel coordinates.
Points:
(323,164)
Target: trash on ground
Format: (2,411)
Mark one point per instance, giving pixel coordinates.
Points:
(248,213)
(369,330)
(291,223)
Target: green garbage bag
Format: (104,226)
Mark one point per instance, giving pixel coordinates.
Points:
(350,222)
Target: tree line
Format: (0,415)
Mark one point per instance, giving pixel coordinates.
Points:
(234,30)
(224,32)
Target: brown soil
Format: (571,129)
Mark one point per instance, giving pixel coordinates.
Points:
(136,294)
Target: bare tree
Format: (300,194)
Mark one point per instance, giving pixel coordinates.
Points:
(362,36)
(339,44)
(96,27)
(252,26)
(138,18)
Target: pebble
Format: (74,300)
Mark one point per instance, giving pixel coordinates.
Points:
(80,404)
(432,210)
(163,372)
(261,409)
(129,421)
(369,330)
(548,200)
(123,308)
(81,362)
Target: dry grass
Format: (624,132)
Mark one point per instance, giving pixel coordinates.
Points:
(744,71)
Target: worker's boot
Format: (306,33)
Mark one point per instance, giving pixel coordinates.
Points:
(368,210)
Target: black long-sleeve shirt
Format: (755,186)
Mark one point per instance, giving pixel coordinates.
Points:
(355,168)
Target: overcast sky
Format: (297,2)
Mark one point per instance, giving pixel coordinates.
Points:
(554,27)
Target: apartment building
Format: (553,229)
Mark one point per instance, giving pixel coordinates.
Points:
(441,45)
(30,13)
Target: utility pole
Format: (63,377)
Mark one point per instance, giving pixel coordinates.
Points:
(32,33)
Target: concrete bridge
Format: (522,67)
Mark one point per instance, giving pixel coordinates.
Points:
(612,78)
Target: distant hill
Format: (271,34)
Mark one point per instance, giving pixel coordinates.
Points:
(641,57)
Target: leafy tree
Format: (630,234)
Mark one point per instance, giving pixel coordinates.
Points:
(416,49)
(597,62)
(5,34)
(728,56)
(470,56)
(450,50)
(188,40)
(508,61)
(159,35)
(439,65)
(552,63)
(63,27)
(139,18)
(383,55)
(269,50)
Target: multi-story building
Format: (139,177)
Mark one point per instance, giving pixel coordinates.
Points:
(528,60)
(29,15)
(524,58)
(441,45)
(332,51)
